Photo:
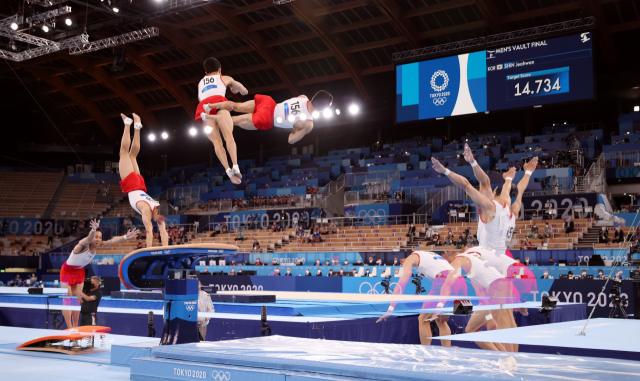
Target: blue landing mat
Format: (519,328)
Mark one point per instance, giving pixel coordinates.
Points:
(273,358)
(610,338)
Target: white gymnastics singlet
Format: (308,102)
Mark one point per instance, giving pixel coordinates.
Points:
(480,272)
(432,264)
(211,85)
(295,107)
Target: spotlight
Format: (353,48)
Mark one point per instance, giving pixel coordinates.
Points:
(152,137)
(354,109)
(68,22)
(207,130)
(303,117)
(291,118)
(315,115)
(636,108)
(116,9)
(327,113)
(193,131)
(165,135)
(14,26)
(45,28)
(13,45)
(279,119)
(337,111)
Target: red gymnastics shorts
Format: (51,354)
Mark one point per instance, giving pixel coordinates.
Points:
(459,288)
(213,99)
(263,112)
(71,275)
(133,182)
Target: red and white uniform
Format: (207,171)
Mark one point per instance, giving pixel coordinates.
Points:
(436,268)
(495,233)
(211,89)
(290,112)
(480,273)
(72,271)
(432,264)
(133,185)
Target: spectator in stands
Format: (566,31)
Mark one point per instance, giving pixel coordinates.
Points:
(538,149)
(358,262)
(316,236)
(140,245)
(526,262)
(600,275)
(308,273)
(411,232)
(346,262)
(570,274)
(449,210)
(379,262)
(449,241)
(545,275)
(274,262)
(233,262)
(548,232)
(371,262)
(256,246)
(367,273)
(17,252)
(395,262)
(569,226)
(304,219)
(258,263)
(341,273)
(551,262)
(327,263)
(206,271)
(288,273)
(429,233)
(307,237)
(216,230)
(534,231)
(17,241)
(317,263)
(624,209)
(555,185)
(618,236)
(603,238)
(332,228)
(233,271)
(584,274)
(240,236)
(526,244)
(319,273)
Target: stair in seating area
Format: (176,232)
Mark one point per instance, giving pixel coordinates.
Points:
(56,197)
(588,238)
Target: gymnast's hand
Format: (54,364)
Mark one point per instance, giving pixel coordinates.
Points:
(437,166)
(94,224)
(524,311)
(383,317)
(510,173)
(132,233)
(468,155)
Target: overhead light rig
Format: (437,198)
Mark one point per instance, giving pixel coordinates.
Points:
(9,28)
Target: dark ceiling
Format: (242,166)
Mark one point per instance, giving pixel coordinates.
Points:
(278,50)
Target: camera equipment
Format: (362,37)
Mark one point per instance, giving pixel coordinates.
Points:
(386,283)
(265,327)
(618,300)
(462,307)
(548,305)
(417,280)
(54,313)
(35,290)
(152,331)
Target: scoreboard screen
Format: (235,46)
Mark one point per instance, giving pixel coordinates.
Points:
(519,75)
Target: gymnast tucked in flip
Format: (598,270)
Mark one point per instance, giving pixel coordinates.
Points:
(262,113)
(133,184)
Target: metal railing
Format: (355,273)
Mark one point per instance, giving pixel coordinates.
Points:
(622,158)
(595,180)
(372,219)
(446,194)
(302,201)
